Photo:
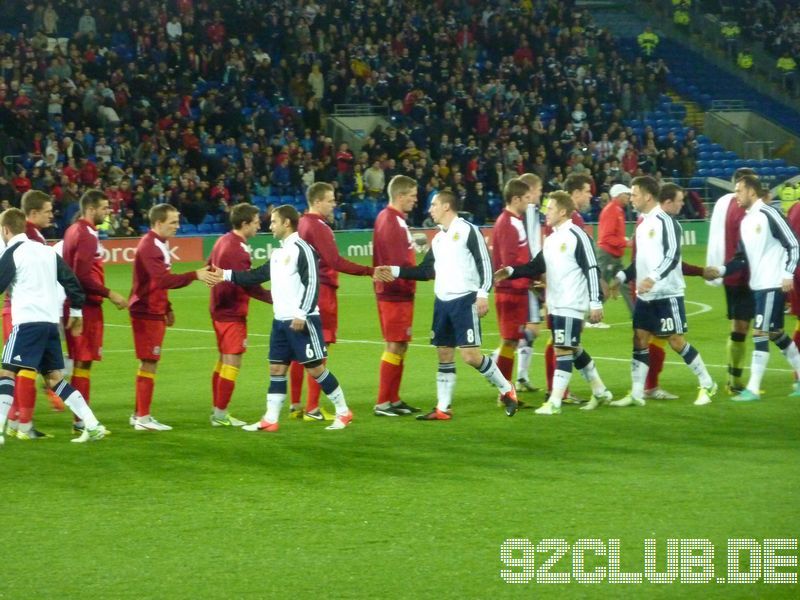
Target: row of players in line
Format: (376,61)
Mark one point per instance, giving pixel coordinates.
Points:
(462,274)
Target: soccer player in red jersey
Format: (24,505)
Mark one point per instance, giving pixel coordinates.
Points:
(314,228)
(84,255)
(533,219)
(149,306)
(392,244)
(724,235)
(38,209)
(510,247)
(229,304)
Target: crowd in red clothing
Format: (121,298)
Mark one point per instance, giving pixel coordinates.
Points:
(204,103)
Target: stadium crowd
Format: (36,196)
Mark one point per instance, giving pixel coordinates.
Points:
(202,104)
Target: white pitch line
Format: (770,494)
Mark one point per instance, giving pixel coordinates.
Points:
(381,343)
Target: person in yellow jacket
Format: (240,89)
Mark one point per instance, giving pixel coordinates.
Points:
(730,33)
(745,59)
(787,67)
(648,41)
(681,15)
(787,197)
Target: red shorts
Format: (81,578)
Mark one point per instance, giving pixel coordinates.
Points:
(512,314)
(231,336)
(88,346)
(396,320)
(6,326)
(328,312)
(148,336)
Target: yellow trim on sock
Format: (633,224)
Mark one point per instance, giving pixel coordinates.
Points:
(659,342)
(26,373)
(391,358)
(218,367)
(797,326)
(507,351)
(229,372)
(85,373)
(145,374)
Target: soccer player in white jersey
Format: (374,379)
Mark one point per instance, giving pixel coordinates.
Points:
(771,249)
(659,308)
(34,271)
(459,262)
(573,288)
(296,333)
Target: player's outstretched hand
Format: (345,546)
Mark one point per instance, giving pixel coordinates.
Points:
(787,285)
(297,325)
(118,299)
(501,275)
(595,315)
(211,276)
(75,325)
(383,273)
(710,273)
(482,305)
(170,319)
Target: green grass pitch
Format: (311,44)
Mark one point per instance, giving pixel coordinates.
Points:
(389,508)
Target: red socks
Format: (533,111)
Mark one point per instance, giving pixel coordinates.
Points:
(391,372)
(296,372)
(145,382)
(657,356)
(505,361)
(25,394)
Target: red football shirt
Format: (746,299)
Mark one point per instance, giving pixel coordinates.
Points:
(316,231)
(611,229)
(152,277)
(83,254)
(392,244)
(510,248)
(733,234)
(228,301)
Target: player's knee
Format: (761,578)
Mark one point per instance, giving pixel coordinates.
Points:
(52,378)
(471,356)
(676,342)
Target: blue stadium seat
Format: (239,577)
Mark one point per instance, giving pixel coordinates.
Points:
(793,171)
(696,182)
(188,229)
(219,227)
(205,229)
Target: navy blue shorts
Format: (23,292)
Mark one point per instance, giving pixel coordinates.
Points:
(662,317)
(34,346)
(741,305)
(769,310)
(456,323)
(286,345)
(566,331)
